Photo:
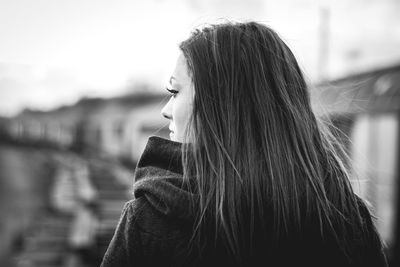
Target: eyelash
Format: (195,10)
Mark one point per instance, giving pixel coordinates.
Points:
(174,92)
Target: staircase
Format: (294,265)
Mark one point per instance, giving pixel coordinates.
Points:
(47,243)
(112,194)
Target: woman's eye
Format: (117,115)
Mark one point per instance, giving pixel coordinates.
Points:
(172,91)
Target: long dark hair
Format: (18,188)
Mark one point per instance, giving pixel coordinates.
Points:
(264,166)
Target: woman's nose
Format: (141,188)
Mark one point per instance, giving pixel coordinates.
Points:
(166,110)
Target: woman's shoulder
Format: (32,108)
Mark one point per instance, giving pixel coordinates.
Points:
(141,236)
(374,246)
(160,238)
(151,222)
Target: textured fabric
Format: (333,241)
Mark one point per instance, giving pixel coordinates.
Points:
(155,227)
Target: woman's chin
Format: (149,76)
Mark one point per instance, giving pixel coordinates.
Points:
(171,136)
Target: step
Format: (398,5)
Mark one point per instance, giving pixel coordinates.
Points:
(40,258)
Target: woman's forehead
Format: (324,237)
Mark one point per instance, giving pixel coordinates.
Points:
(181,72)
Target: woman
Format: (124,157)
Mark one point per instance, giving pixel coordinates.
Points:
(249,177)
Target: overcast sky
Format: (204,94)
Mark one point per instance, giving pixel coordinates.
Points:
(54,52)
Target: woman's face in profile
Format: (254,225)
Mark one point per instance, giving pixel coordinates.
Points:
(179,107)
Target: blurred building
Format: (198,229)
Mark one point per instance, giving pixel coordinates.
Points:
(116,127)
(366,110)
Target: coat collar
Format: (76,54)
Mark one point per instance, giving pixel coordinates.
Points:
(159,179)
(161,153)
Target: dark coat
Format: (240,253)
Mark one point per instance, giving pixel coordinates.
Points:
(155,227)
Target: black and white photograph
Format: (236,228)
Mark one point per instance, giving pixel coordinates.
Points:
(199,133)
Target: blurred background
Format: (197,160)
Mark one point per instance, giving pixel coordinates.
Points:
(82,86)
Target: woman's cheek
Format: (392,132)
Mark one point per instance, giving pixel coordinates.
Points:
(182,112)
